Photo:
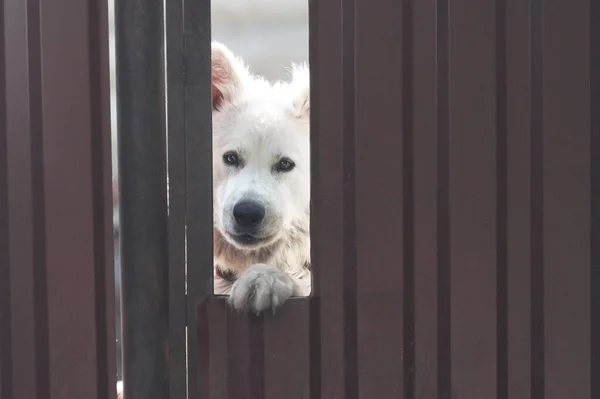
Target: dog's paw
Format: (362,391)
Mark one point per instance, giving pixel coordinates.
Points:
(120,390)
(261,287)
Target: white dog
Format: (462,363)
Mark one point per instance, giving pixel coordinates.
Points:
(261,178)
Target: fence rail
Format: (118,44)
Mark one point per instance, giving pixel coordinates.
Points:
(455,210)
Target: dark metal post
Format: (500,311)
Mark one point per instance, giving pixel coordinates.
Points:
(143,202)
(198,154)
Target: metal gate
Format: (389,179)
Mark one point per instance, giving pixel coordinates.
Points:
(455,209)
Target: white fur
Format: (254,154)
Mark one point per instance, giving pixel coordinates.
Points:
(261,287)
(263,121)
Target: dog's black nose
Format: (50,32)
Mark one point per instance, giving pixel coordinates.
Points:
(248,213)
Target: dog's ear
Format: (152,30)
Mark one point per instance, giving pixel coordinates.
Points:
(301,87)
(227,74)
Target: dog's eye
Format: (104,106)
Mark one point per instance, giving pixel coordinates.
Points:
(284,165)
(231,158)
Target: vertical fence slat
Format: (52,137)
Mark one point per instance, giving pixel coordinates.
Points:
(425,193)
(349,275)
(142,167)
(5,311)
(245,366)
(518,186)
(537,373)
(501,186)
(380,227)
(473,202)
(408,196)
(327,202)
(102,193)
(58,237)
(566,162)
(218,353)
(199,215)
(68,247)
(176,196)
(236,378)
(74,235)
(595,191)
(442,65)
(22,70)
(286,358)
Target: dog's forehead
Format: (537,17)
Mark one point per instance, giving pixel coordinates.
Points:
(268,118)
(263,136)
(266,112)
(271,139)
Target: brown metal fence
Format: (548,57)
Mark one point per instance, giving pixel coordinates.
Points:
(56,277)
(455,209)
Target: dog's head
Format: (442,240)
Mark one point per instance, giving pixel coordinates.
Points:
(261,153)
